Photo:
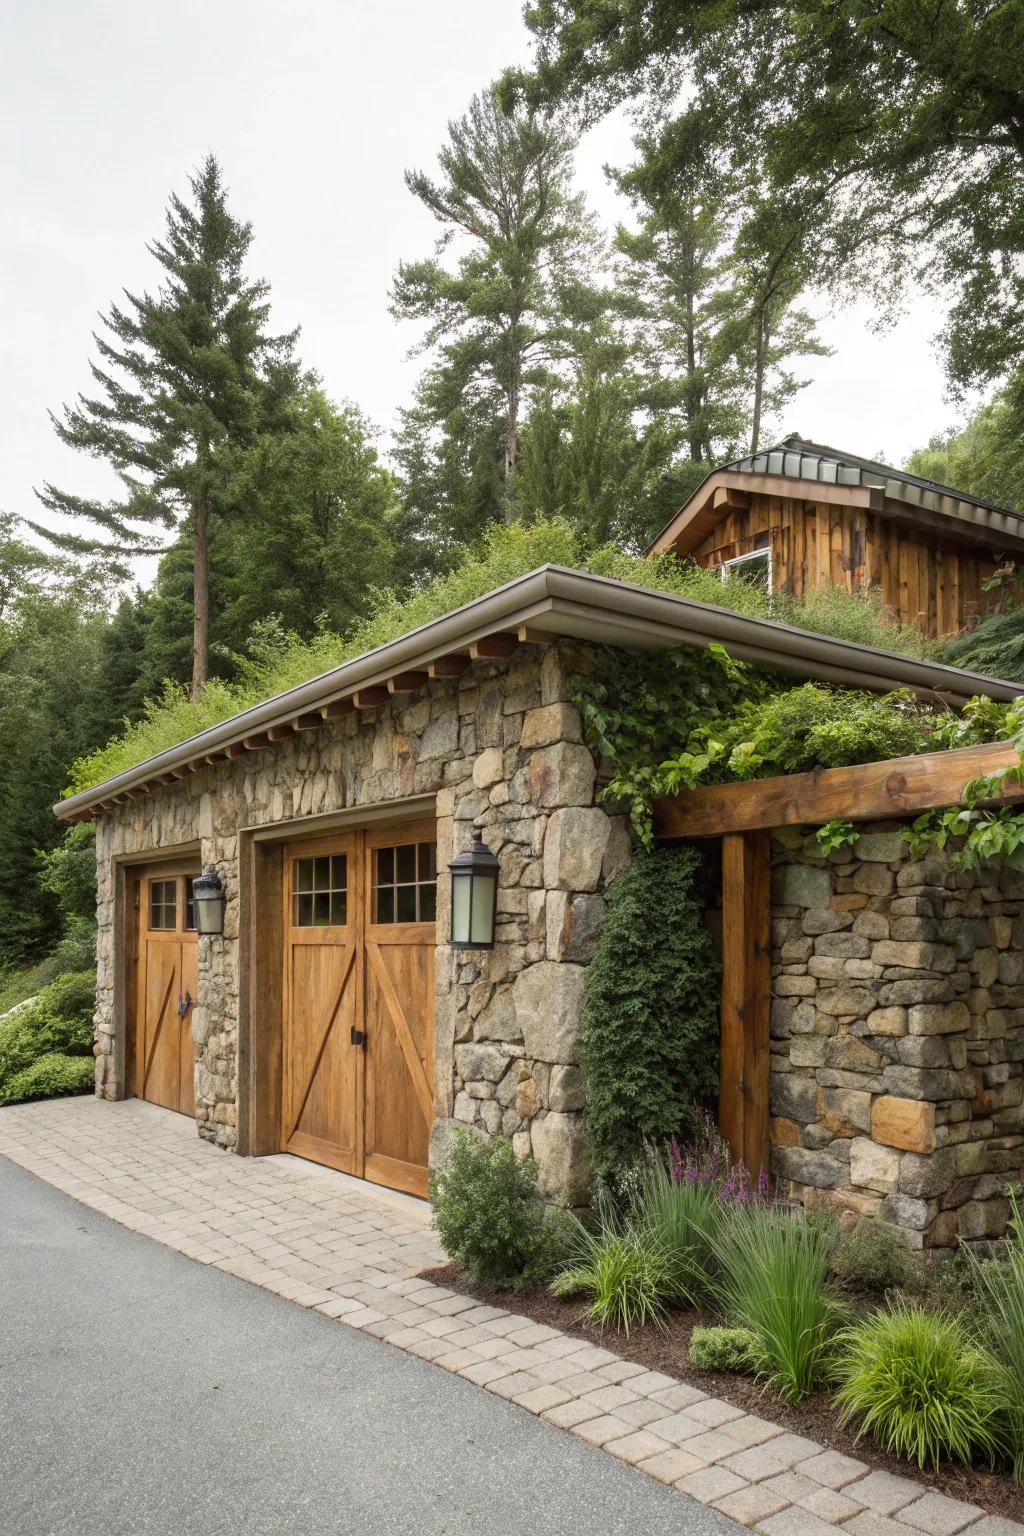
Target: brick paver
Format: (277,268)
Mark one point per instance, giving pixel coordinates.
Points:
(355,1252)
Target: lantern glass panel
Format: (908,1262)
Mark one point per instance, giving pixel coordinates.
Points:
(482,915)
(460,908)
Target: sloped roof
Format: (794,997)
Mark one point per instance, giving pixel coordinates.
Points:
(878,487)
(833,466)
(545,605)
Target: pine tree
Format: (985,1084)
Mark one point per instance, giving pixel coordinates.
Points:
(669,279)
(186,378)
(517,303)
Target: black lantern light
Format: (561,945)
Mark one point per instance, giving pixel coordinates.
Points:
(208,902)
(474,895)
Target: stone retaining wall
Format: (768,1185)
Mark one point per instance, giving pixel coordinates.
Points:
(501,746)
(897,1035)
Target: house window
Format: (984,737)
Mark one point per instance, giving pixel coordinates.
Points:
(405,883)
(755,568)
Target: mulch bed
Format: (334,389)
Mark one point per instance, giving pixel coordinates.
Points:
(667,1349)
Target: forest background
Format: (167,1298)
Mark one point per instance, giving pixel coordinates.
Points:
(567,369)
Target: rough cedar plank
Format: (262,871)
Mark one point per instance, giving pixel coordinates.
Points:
(746,996)
(899,786)
(734,974)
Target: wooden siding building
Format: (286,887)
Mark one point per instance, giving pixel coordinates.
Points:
(801,516)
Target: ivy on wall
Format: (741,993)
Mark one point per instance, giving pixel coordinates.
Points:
(649,1030)
(677,719)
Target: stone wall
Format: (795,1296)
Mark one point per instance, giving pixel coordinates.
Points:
(501,746)
(897,1035)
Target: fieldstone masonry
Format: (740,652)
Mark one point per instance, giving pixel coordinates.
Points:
(501,747)
(897,1035)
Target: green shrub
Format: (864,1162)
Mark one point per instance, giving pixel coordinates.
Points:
(999,1288)
(871,1257)
(774,1282)
(950,1281)
(52,1076)
(911,1377)
(58,1020)
(684,1217)
(622,1268)
(649,1030)
(995,645)
(724,1349)
(489,1214)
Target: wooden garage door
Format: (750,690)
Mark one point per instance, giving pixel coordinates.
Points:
(359,1003)
(164,1052)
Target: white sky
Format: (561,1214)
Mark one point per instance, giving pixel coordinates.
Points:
(314,109)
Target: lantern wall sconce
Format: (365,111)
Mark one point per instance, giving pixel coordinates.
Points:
(474,895)
(209,901)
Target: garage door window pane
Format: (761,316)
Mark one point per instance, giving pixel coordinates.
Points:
(405,883)
(321,891)
(163,904)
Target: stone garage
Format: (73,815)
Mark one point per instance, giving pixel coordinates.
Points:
(333,1019)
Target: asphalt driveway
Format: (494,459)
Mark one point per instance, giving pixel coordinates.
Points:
(142,1394)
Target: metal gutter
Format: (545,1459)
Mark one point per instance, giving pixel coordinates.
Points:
(549,603)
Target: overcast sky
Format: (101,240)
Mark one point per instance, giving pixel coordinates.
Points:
(314,109)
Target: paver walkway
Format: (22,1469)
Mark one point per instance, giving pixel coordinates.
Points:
(353,1252)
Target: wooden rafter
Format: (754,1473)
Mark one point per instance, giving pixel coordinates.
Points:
(407,682)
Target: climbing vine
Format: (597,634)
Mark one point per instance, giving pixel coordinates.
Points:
(677,719)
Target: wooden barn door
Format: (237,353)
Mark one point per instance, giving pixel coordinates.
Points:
(164,1052)
(401,875)
(359,1003)
(322,1064)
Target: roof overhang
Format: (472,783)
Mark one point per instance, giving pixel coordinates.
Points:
(548,604)
(727,489)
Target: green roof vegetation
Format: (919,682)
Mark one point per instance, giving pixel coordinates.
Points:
(279,661)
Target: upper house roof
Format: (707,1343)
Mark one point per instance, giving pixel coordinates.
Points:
(837,476)
(543,606)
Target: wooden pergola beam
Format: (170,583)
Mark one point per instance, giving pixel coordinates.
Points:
(898,787)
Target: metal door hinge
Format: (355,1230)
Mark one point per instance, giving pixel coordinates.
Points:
(358,1036)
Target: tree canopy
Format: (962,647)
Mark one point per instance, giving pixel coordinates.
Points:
(885,137)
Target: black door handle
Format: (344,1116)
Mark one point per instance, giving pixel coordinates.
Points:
(184,1004)
(358,1036)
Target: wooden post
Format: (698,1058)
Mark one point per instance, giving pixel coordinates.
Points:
(746,996)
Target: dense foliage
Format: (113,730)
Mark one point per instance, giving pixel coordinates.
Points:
(278,659)
(620,1267)
(914,1379)
(681,718)
(870,1257)
(47,1042)
(724,1349)
(998,1289)
(774,1282)
(649,1029)
(878,138)
(488,1213)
